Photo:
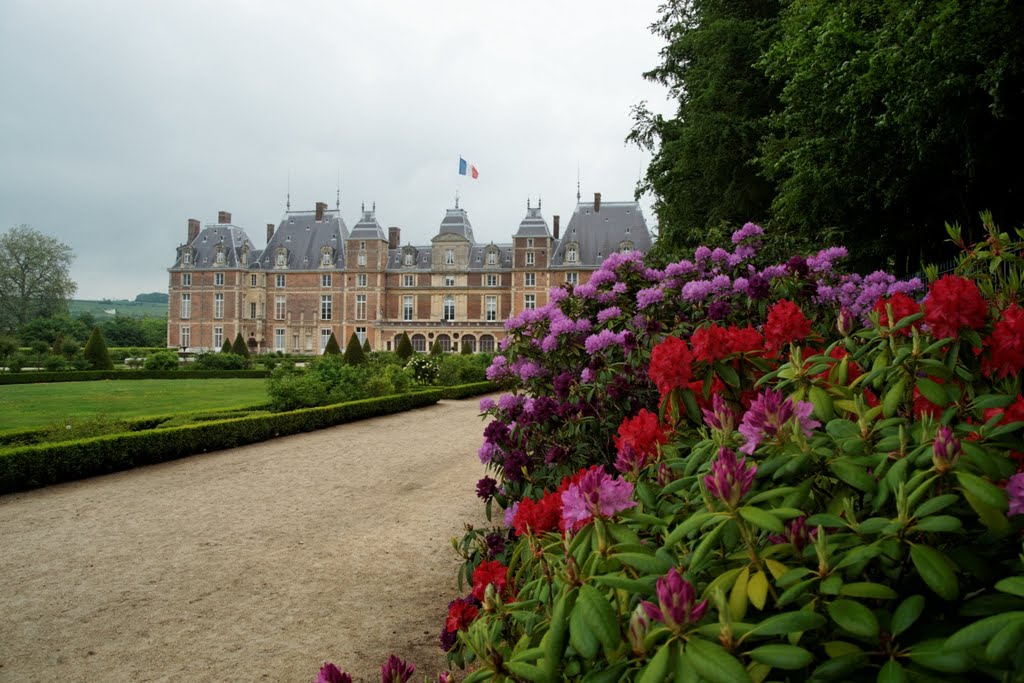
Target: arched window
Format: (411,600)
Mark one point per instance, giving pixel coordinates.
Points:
(449,308)
(486,343)
(419,343)
(470,341)
(445,341)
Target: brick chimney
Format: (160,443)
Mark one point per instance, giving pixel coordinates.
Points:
(223,217)
(554,225)
(597,202)
(320,208)
(394,237)
(193,230)
(270,232)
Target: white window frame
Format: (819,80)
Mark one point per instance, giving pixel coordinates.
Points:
(186,306)
(361,258)
(449,280)
(325,336)
(279,339)
(185,335)
(529,302)
(492,258)
(252,310)
(252,280)
(408,281)
(218,279)
(361,334)
(449,257)
(530,259)
(492,280)
(218,337)
(280,306)
(529,279)
(361,279)
(408,307)
(218,305)
(279,280)
(491,308)
(360,307)
(326,306)
(325,279)
(572,254)
(186,279)
(448,308)
(572,278)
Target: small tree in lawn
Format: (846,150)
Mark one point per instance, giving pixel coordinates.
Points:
(227,348)
(366,346)
(96,353)
(354,351)
(332,348)
(435,349)
(240,347)
(404,349)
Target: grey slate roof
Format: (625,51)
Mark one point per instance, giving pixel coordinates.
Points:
(599,233)
(456,222)
(214,238)
(368,228)
(534,224)
(302,237)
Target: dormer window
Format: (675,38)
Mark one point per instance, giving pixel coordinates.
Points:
(625,246)
(492,258)
(281,258)
(572,253)
(186,258)
(409,256)
(326,256)
(220,257)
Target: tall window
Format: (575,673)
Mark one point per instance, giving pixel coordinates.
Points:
(186,335)
(491,308)
(530,279)
(186,258)
(252,310)
(218,337)
(280,259)
(326,303)
(492,280)
(218,305)
(529,258)
(449,257)
(449,308)
(279,307)
(325,258)
(361,280)
(360,307)
(361,258)
(220,257)
(325,279)
(280,279)
(409,258)
(492,258)
(279,339)
(407,280)
(407,303)
(529,243)
(252,280)
(361,334)
(571,254)
(186,305)
(572,278)
(325,336)
(529,301)
(186,279)
(218,279)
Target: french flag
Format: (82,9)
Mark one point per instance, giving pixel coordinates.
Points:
(466,167)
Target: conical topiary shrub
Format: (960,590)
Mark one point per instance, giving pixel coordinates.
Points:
(435,349)
(354,351)
(95,352)
(332,348)
(227,348)
(467,348)
(366,346)
(240,347)
(404,350)
(58,344)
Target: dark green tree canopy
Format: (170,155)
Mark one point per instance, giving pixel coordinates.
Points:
(239,347)
(404,349)
(95,352)
(226,348)
(354,351)
(35,277)
(332,348)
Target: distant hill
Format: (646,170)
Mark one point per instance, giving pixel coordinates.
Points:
(105,309)
(152,298)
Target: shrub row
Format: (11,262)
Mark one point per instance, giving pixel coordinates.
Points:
(44,464)
(93,375)
(460,391)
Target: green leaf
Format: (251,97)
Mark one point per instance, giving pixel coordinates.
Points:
(906,614)
(839,668)
(713,663)
(933,505)
(786,623)
(527,672)
(709,541)
(762,519)
(642,586)
(822,402)
(1013,585)
(935,571)
(656,669)
(782,656)
(1005,642)
(934,654)
(553,641)
(866,589)
(855,618)
(984,491)
(939,523)
(581,635)
(727,374)
(757,590)
(648,564)
(933,391)
(893,398)
(981,631)
(892,672)
(991,517)
(691,524)
(612,674)
(599,615)
(853,475)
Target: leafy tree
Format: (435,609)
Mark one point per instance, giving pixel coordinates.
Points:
(152,298)
(95,352)
(239,347)
(366,346)
(58,344)
(154,331)
(703,172)
(47,329)
(332,347)
(125,330)
(35,278)
(404,349)
(162,360)
(435,348)
(219,361)
(226,348)
(8,347)
(354,351)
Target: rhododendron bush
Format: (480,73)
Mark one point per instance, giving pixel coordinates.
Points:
(716,471)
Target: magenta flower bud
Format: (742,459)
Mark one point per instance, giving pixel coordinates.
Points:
(329,673)
(721,418)
(395,670)
(628,460)
(639,625)
(677,605)
(1015,489)
(730,478)
(846,321)
(946,450)
(665,475)
(796,533)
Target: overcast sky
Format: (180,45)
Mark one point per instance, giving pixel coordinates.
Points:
(119,121)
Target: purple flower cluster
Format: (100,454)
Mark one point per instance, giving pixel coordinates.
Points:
(1015,490)
(730,478)
(746,232)
(603,339)
(769,413)
(596,495)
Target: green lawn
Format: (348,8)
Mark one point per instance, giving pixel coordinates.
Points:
(37,405)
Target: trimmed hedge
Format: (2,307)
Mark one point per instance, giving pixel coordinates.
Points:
(93,375)
(44,464)
(469,390)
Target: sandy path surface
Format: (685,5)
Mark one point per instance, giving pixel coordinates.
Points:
(255,563)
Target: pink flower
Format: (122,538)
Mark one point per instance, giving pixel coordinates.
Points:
(767,416)
(1015,488)
(595,495)
(332,674)
(395,670)
(677,602)
(730,479)
(796,533)
(946,450)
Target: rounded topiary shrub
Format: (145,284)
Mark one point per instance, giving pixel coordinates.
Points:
(162,360)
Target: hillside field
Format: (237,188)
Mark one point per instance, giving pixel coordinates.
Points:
(135,309)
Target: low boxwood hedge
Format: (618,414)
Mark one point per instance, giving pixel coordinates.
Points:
(51,463)
(93,375)
(468,390)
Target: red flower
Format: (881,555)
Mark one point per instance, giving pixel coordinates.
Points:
(486,574)
(786,323)
(539,516)
(461,614)
(902,306)
(745,339)
(670,365)
(710,343)
(1005,345)
(953,303)
(642,433)
(1012,413)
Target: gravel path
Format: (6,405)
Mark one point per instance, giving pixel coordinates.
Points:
(255,563)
